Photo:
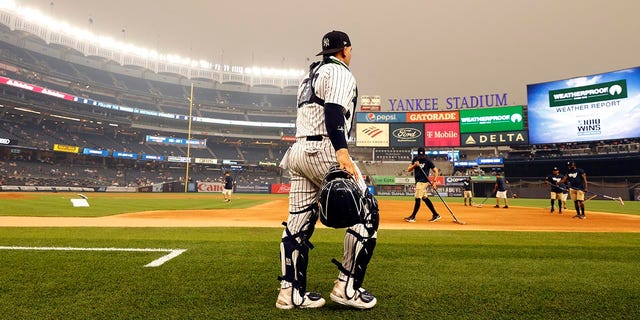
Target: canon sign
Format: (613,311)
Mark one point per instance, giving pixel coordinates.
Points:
(210,187)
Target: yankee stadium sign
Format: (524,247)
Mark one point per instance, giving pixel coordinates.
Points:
(448,103)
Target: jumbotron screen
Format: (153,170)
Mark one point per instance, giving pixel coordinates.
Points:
(592,108)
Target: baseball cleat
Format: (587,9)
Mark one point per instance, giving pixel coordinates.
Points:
(362,299)
(310,300)
(409,219)
(435,218)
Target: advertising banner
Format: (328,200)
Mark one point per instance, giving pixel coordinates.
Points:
(370,103)
(490,161)
(372,134)
(406,134)
(385,117)
(8,142)
(152,157)
(206,160)
(411,180)
(195,143)
(465,163)
(66,148)
(94,152)
(280,188)
(262,188)
(444,134)
(454,181)
(591,108)
(405,180)
(384,180)
(483,178)
(508,138)
(492,119)
(178,159)
(434,116)
(34,88)
(395,154)
(125,155)
(210,186)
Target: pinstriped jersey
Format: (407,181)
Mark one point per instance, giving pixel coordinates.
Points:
(334,84)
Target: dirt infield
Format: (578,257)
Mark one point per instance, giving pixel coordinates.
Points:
(272,213)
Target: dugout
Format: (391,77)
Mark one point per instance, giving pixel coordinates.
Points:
(483,184)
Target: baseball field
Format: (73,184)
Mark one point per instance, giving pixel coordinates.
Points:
(193,256)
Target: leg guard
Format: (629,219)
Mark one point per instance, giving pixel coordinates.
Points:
(294,253)
(359,243)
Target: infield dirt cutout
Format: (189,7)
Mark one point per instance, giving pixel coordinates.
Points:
(392,212)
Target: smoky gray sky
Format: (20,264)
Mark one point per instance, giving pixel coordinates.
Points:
(401,49)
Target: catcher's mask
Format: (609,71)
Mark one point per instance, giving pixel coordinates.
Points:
(341,202)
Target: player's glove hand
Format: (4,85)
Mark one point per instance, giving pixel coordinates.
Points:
(344,160)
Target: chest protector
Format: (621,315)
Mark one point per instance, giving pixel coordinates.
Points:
(308,93)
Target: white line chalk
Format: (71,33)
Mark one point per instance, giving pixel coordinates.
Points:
(172,253)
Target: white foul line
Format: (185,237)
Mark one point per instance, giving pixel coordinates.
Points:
(172,253)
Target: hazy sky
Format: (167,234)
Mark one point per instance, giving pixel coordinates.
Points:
(401,49)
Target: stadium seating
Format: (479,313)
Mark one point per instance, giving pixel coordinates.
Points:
(102,128)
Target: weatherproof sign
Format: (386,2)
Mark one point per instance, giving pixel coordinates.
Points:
(598,107)
(491,120)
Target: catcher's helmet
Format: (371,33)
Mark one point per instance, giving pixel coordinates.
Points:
(341,203)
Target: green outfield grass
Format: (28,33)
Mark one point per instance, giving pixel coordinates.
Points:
(104,204)
(230,273)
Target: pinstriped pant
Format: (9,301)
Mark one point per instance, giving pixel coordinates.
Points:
(309,161)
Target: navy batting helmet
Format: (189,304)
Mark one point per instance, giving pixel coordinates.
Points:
(341,203)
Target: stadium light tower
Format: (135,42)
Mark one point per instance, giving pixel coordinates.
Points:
(35,17)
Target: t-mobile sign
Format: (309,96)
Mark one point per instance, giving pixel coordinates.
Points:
(442,134)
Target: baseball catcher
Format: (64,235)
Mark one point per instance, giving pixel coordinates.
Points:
(339,197)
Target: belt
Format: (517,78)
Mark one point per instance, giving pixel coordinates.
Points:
(314,138)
